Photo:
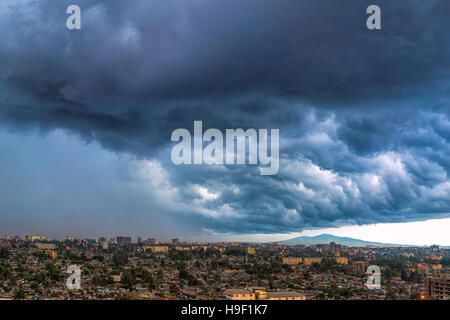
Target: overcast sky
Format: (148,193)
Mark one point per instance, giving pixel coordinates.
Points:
(86,116)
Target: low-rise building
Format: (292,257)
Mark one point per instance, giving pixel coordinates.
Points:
(341,260)
(292,261)
(257,293)
(156,248)
(45,246)
(285,295)
(310,261)
(240,294)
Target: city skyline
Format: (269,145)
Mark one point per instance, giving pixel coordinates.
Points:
(403,234)
(86,117)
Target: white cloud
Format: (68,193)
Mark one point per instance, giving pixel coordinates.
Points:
(205,193)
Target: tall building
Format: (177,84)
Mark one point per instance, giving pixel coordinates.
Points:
(123,240)
(438,286)
(150,242)
(335,248)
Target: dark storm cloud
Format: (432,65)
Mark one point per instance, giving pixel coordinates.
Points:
(195,49)
(404,183)
(363,114)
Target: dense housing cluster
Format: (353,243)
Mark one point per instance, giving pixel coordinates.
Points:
(118,268)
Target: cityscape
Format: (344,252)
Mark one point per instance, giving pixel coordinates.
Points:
(35,268)
(209,157)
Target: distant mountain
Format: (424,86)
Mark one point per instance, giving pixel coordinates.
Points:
(327,238)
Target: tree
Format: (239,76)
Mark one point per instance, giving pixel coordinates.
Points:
(120,258)
(128,279)
(102,280)
(174,289)
(333,291)
(414,277)
(4,253)
(404,275)
(19,294)
(36,288)
(306,275)
(148,278)
(321,296)
(5,273)
(53,272)
(160,274)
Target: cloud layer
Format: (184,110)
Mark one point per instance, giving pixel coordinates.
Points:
(363,115)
